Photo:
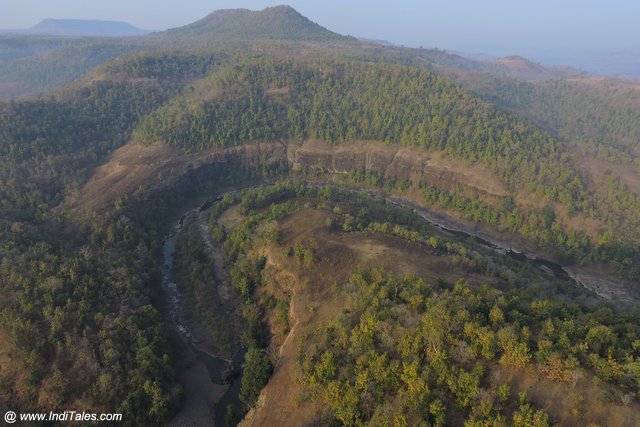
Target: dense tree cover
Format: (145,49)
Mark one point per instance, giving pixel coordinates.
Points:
(601,114)
(94,117)
(351,109)
(80,298)
(49,147)
(339,101)
(410,352)
(167,66)
(540,225)
(261,205)
(268,99)
(70,307)
(246,276)
(79,294)
(256,371)
(594,118)
(40,74)
(347,100)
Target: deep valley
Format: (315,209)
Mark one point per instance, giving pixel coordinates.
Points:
(253,220)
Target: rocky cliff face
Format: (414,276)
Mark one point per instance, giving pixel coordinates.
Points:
(157,167)
(432,168)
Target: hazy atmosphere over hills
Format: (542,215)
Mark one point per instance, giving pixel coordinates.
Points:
(572,33)
(79,27)
(250,218)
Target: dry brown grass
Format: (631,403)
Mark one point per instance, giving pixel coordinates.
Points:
(316,298)
(149,167)
(231,217)
(577,404)
(597,170)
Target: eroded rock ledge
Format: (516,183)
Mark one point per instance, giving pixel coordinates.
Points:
(432,168)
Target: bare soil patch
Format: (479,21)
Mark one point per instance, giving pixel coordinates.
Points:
(231,218)
(598,170)
(577,404)
(136,167)
(316,298)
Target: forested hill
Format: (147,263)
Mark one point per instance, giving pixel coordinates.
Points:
(32,66)
(341,101)
(80,291)
(279,22)
(592,111)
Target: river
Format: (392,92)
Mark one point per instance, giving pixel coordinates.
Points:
(221,371)
(219,367)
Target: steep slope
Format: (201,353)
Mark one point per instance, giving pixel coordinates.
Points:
(33,66)
(341,101)
(597,120)
(345,101)
(371,316)
(595,111)
(92,279)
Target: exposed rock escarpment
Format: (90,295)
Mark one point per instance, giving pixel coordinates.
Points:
(431,168)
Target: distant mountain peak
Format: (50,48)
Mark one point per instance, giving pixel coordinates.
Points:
(277,22)
(80,28)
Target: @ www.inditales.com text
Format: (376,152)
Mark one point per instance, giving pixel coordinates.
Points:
(11,417)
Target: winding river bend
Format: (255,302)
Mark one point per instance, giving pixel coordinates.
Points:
(221,371)
(219,368)
(548,266)
(603,286)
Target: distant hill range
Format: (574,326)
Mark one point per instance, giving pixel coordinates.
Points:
(38,60)
(80,28)
(521,68)
(625,65)
(278,22)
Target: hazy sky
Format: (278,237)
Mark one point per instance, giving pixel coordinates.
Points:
(542,28)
